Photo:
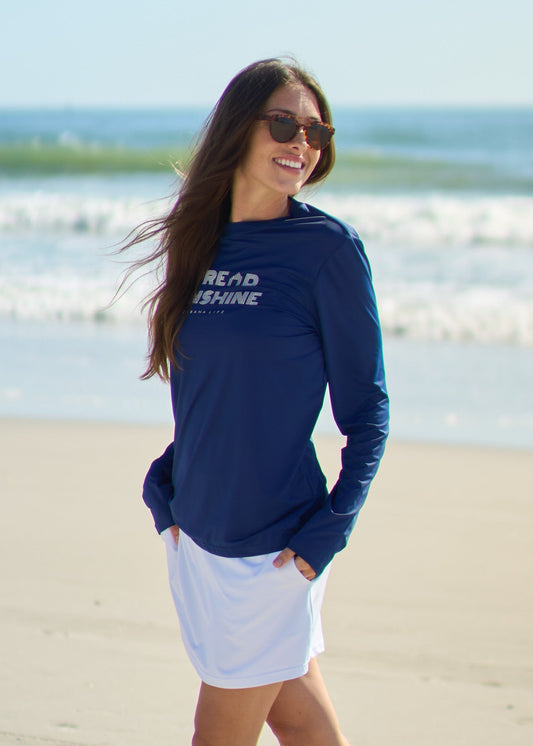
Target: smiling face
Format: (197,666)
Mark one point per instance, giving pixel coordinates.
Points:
(271,171)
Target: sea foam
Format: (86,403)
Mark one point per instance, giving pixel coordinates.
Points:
(418,220)
(436,219)
(444,267)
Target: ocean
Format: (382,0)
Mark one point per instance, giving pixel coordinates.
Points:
(443,200)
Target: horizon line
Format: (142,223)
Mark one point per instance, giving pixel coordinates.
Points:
(132,106)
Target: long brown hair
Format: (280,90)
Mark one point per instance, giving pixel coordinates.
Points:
(188,236)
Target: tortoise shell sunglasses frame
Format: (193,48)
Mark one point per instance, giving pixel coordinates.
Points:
(284,128)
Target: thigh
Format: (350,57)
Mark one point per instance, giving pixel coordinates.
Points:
(232,717)
(303,712)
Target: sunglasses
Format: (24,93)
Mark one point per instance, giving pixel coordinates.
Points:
(284,127)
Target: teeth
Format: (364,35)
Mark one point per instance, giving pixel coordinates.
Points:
(290,164)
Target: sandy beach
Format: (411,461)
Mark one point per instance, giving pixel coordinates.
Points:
(428,614)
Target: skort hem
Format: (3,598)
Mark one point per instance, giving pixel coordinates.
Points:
(250,682)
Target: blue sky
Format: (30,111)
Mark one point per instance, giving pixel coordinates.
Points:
(157,52)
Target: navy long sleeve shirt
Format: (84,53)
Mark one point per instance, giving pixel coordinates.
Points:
(286,308)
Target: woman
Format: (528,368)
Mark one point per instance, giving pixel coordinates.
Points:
(264,300)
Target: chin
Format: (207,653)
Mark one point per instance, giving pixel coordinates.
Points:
(295,188)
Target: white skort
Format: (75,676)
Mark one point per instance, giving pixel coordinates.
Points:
(244,622)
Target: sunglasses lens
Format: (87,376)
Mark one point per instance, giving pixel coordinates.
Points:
(282,129)
(318,136)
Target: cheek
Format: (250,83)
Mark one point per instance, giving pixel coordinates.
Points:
(313,161)
(256,152)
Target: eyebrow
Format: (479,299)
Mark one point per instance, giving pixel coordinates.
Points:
(292,114)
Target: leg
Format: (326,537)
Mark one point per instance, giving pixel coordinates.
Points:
(232,717)
(303,714)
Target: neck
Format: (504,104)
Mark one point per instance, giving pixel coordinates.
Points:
(244,208)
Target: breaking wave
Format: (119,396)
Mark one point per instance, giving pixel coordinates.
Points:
(423,220)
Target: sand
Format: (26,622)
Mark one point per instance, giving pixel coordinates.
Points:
(428,615)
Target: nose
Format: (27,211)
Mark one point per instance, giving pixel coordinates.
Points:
(299,139)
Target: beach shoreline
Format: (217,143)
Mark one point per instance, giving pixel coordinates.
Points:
(427,613)
(440,391)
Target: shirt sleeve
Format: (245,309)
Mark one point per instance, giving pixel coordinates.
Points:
(351,339)
(158,490)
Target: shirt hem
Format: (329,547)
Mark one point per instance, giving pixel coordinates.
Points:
(244,549)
